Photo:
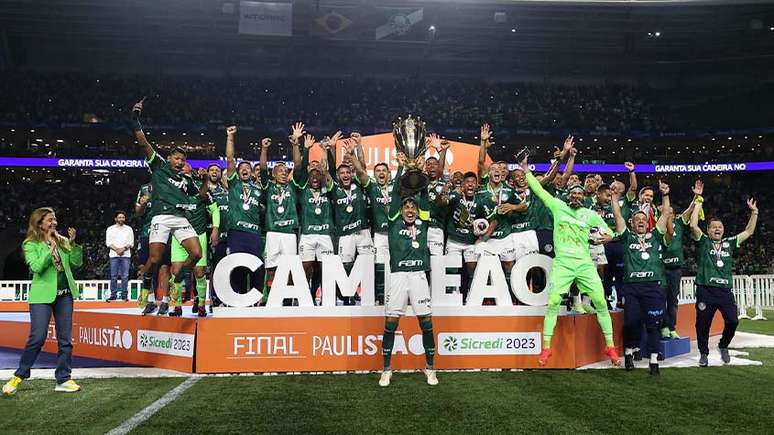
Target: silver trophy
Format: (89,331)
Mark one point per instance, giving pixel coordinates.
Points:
(410,139)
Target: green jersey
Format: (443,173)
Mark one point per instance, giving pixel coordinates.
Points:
(606,212)
(171,190)
(198,216)
(520,221)
(281,211)
(220,195)
(714,261)
(487,199)
(380,203)
(571,226)
(349,208)
(436,208)
(316,210)
(147,215)
(673,254)
(408,243)
(459,226)
(642,256)
(539,215)
(245,205)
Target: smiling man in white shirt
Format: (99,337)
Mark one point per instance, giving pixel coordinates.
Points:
(120,239)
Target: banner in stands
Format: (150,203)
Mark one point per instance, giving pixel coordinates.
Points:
(266,18)
(460,157)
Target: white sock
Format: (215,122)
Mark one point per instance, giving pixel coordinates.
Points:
(576,300)
(165,299)
(628,351)
(654,358)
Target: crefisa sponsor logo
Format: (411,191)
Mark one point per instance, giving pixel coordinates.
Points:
(489,343)
(105,337)
(167,343)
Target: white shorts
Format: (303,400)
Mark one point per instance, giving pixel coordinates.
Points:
(359,242)
(503,248)
(312,247)
(468,251)
(163,225)
(598,254)
(278,244)
(524,243)
(435,241)
(382,245)
(405,287)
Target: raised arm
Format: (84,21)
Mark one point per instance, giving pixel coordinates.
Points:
(230,164)
(535,186)
(750,228)
(620,223)
(698,190)
(486,134)
(147,148)
(665,223)
(570,165)
(296,131)
(694,224)
(559,156)
(359,153)
(632,192)
(263,163)
(301,172)
(443,146)
(362,175)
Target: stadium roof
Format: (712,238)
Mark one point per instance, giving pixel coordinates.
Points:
(492,38)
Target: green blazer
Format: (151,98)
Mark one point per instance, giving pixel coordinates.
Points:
(44,274)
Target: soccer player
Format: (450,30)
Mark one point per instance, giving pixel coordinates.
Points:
(409,262)
(572,263)
(495,201)
(613,271)
(644,300)
(459,227)
(316,214)
(282,196)
(436,190)
(379,190)
(143,208)
(349,210)
(172,192)
(673,259)
(219,193)
(245,207)
(197,215)
(714,255)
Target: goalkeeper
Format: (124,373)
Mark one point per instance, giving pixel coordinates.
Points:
(572,224)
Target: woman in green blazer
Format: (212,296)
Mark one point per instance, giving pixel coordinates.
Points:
(50,257)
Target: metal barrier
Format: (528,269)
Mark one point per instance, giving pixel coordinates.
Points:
(750,292)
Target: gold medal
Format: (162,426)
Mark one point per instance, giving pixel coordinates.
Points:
(350,209)
(280,209)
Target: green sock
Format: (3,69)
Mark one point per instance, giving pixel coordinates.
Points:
(603,316)
(428,341)
(388,340)
(201,289)
(549,321)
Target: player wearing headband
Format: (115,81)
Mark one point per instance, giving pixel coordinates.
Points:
(642,295)
(714,258)
(409,262)
(572,263)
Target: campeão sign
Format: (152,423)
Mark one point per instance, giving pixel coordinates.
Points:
(488,281)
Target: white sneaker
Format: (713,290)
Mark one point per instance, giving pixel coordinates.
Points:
(384,381)
(431,378)
(67,387)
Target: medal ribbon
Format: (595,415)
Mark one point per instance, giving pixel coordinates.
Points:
(246,194)
(718,253)
(643,246)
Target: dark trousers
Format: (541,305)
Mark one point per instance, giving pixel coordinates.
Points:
(40,314)
(614,270)
(673,277)
(250,243)
(643,304)
(119,268)
(709,300)
(216,255)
